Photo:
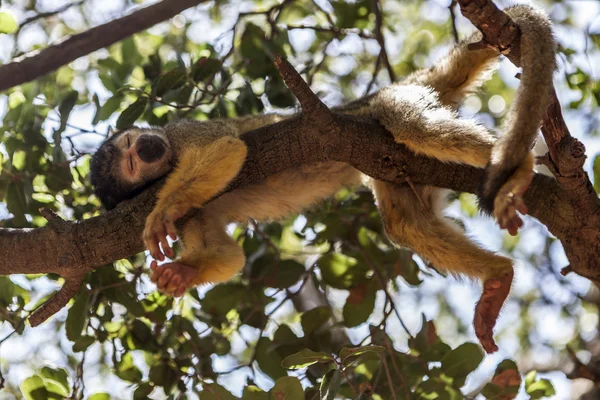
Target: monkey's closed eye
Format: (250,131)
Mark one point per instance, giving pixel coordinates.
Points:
(128,141)
(131,163)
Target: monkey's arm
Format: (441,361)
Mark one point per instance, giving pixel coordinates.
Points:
(201,173)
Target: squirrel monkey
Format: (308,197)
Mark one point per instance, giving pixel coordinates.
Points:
(201,158)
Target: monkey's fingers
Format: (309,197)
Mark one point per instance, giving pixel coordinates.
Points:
(153,247)
(170,228)
(164,243)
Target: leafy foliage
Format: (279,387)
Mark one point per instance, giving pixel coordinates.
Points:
(316,312)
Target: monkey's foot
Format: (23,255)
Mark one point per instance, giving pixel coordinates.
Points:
(509,200)
(495,292)
(173,278)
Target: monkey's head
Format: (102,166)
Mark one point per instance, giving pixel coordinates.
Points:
(127,162)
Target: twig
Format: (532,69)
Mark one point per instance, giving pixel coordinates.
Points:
(47,14)
(453,20)
(582,370)
(379,35)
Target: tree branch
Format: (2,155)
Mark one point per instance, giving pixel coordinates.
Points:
(55,56)
(73,248)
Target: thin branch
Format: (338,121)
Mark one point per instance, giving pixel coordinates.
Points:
(55,56)
(47,14)
(453,21)
(380,39)
(334,30)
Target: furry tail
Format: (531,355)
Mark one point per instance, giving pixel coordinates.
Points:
(533,96)
(459,73)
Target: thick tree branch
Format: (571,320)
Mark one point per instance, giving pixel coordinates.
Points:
(55,56)
(73,248)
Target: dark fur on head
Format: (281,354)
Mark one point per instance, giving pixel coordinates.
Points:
(109,187)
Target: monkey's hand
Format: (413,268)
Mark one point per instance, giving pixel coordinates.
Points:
(509,200)
(495,292)
(160,224)
(173,278)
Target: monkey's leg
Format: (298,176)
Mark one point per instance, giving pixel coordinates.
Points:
(209,256)
(428,233)
(415,117)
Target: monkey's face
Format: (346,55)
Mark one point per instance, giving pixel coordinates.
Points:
(127,162)
(145,155)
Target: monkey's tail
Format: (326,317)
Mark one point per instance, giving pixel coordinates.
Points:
(461,72)
(538,63)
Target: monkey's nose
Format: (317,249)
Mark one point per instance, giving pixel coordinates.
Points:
(150,148)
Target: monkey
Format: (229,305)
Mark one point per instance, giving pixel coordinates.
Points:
(200,158)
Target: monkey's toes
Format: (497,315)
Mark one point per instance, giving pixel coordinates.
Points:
(484,327)
(173,278)
(495,292)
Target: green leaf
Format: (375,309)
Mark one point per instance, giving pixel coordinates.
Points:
(348,352)
(7,23)
(252,47)
(278,93)
(83,343)
(268,360)
(127,370)
(214,391)
(66,105)
(169,81)
(538,389)
(252,392)
(222,298)
(597,173)
(100,396)
(33,388)
(288,388)
(505,383)
(110,106)
(313,319)
(461,361)
(142,392)
(16,201)
(330,384)
(360,303)
(132,113)
(277,274)
(77,316)
(56,380)
(205,68)
(7,291)
(305,358)
(340,271)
